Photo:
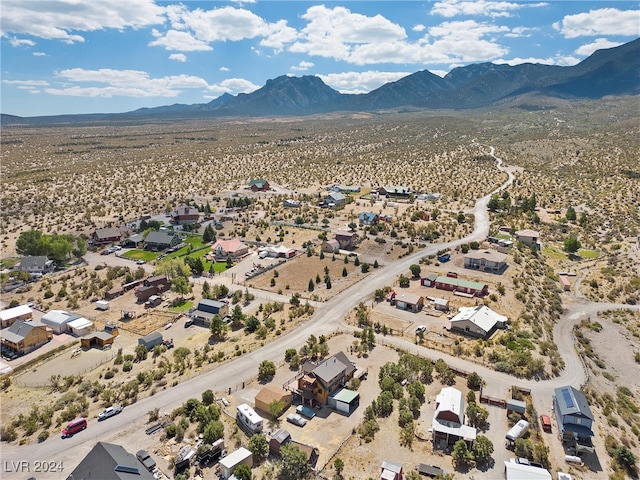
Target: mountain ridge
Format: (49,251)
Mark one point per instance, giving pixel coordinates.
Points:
(612,71)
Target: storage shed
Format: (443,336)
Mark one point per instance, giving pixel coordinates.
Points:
(151,340)
(344,400)
(270,394)
(277,440)
(80,326)
(58,320)
(229,463)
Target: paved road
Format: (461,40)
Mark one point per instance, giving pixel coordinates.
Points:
(327,318)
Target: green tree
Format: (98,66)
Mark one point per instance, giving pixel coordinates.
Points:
(243,472)
(141,353)
(293,463)
(624,457)
(213,431)
(338,466)
(276,407)
(523,448)
(477,415)
(181,286)
(415,270)
(311,285)
(31,243)
(572,244)
(474,381)
(266,370)
(208,397)
(482,449)
(461,454)
(252,324)
(344,272)
(237,317)
(571,214)
(259,447)
(404,281)
(218,327)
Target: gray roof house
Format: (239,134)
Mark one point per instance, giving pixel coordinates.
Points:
(36,264)
(162,240)
(337,198)
(108,461)
(572,412)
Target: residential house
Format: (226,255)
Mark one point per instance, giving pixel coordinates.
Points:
(269,394)
(10,315)
(448,419)
(185,214)
(528,237)
(573,413)
(390,471)
(233,247)
(330,246)
(259,185)
(479,321)
(290,203)
(409,301)
(23,337)
(486,261)
(347,240)
(106,235)
(334,199)
(161,240)
(319,380)
(344,188)
(36,265)
(162,283)
(277,251)
(207,309)
(395,191)
(368,218)
(108,461)
(458,285)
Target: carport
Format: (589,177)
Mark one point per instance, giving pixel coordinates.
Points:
(344,400)
(97,340)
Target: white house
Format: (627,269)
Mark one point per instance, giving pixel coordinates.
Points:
(448,419)
(479,321)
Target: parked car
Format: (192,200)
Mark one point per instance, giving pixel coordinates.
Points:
(145,459)
(109,412)
(188,323)
(545,421)
(74,427)
(296,419)
(421,329)
(140,262)
(430,470)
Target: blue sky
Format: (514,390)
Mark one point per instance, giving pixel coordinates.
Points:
(94,56)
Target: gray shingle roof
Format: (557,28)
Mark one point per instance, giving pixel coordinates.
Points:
(105,461)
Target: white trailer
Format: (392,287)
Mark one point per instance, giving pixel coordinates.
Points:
(249,419)
(517,431)
(102,305)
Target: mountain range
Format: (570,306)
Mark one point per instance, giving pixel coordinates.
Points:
(612,71)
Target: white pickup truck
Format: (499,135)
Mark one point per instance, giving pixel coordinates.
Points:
(109,412)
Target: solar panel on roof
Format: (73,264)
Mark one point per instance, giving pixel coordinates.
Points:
(568,399)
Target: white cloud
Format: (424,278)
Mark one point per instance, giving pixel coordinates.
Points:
(599,43)
(232,86)
(418,28)
(303,66)
(603,21)
(360,82)
(223,24)
(561,60)
(519,32)
(335,32)
(224,69)
(453,8)
(278,34)
(21,42)
(39,54)
(129,83)
(464,41)
(57,19)
(178,57)
(174,40)
(27,83)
